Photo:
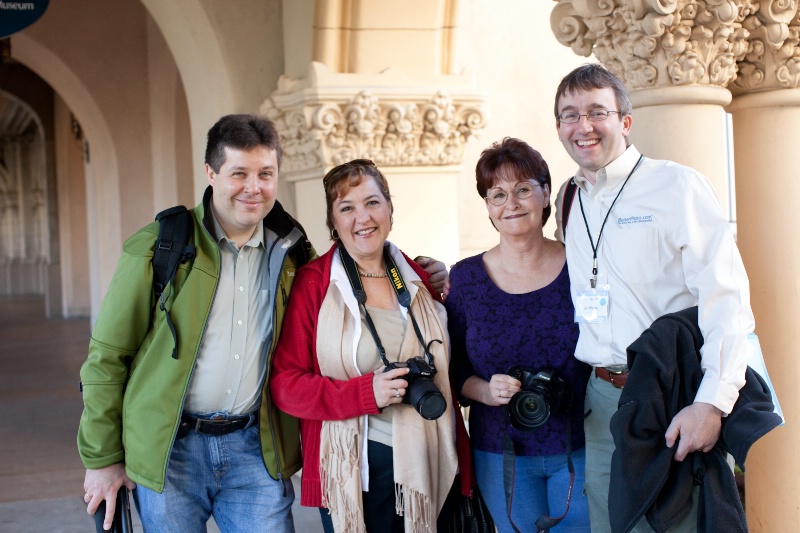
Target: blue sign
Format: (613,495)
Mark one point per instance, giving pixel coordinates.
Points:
(18,15)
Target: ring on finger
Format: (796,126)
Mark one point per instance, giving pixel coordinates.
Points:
(396,393)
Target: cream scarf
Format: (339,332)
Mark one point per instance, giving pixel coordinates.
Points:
(425,461)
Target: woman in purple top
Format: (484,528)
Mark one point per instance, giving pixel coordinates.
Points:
(511,307)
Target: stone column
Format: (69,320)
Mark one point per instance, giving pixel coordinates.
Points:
(413,127)
(404,108)
(676,58)
(766,126)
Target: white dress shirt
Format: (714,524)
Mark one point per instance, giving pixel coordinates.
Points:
(666,246)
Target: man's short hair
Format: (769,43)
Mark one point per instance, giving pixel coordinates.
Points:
(241,132)
(594,76)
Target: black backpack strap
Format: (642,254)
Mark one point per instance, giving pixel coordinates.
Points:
(566,206)
(173,247)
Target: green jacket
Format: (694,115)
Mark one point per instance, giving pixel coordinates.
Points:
(134,391)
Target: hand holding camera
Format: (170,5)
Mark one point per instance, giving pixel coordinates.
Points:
(389,387)
(500,390)
(423,394)
(543,393)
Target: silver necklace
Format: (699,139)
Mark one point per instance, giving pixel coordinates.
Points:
(372,275)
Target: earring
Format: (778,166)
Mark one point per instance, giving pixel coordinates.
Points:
(334,235)
(391,220)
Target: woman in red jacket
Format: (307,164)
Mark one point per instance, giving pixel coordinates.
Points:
(366,372)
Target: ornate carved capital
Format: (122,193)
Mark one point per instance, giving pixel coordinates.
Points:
(657,43)
(325,126)
(772,60)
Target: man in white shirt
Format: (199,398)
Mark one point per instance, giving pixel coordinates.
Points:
(644,238)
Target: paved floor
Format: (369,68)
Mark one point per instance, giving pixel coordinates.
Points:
(41,475)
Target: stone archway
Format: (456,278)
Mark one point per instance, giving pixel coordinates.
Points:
(125,90)
(24,236)
(103,198)
(229,59)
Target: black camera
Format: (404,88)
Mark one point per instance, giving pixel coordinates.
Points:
(422,393)
(543,393)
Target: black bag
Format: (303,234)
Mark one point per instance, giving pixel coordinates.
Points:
(122,514)
(470,514)
(172,247)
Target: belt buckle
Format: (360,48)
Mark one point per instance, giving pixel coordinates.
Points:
(616,370)
(213,425)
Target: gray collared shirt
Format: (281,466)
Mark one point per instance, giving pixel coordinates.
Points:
(231,364)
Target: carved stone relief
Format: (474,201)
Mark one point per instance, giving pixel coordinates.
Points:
(316,134)
(772,60)
(657,43)
(660,43)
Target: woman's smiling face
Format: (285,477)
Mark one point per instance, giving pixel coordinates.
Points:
(525,200)
(362,218)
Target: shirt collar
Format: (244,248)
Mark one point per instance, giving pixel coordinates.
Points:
(613,174)
(254,241)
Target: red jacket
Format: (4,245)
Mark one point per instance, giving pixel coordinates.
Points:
(298,388)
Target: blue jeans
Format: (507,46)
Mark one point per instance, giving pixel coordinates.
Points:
(223,476)
(541,484)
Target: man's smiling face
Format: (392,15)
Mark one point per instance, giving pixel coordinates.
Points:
(593,145)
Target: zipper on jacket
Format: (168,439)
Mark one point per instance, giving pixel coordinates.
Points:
(269,358)
(280,478)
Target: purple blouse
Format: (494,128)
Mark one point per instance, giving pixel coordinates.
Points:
(491,331)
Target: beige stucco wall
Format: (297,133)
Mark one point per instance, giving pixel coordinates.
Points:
(229,56)
(507,46)
(92,45)
(101,72)
(72,224)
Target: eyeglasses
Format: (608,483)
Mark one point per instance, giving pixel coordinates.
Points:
(598,115)
(498,196)
(336,172)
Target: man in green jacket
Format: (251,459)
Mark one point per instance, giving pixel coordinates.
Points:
(197,432)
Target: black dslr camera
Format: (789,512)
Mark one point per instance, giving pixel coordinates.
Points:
(422,393)
(543,393)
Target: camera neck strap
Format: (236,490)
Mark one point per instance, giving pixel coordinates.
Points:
(544,522)
(400,289)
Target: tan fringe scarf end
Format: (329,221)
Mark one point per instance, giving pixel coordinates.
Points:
(340,475)
(416,508)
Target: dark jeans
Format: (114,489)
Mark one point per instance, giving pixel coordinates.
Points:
(379,511)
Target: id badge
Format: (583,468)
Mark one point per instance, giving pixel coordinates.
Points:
(592,306)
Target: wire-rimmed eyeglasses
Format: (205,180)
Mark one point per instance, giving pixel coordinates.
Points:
(596,115)
(524,189)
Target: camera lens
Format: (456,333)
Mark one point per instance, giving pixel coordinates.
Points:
(425,397)
(528,410)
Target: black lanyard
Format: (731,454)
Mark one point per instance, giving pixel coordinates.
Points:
(593,279)
(400,289)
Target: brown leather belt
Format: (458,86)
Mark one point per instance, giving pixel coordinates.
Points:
(616,378)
